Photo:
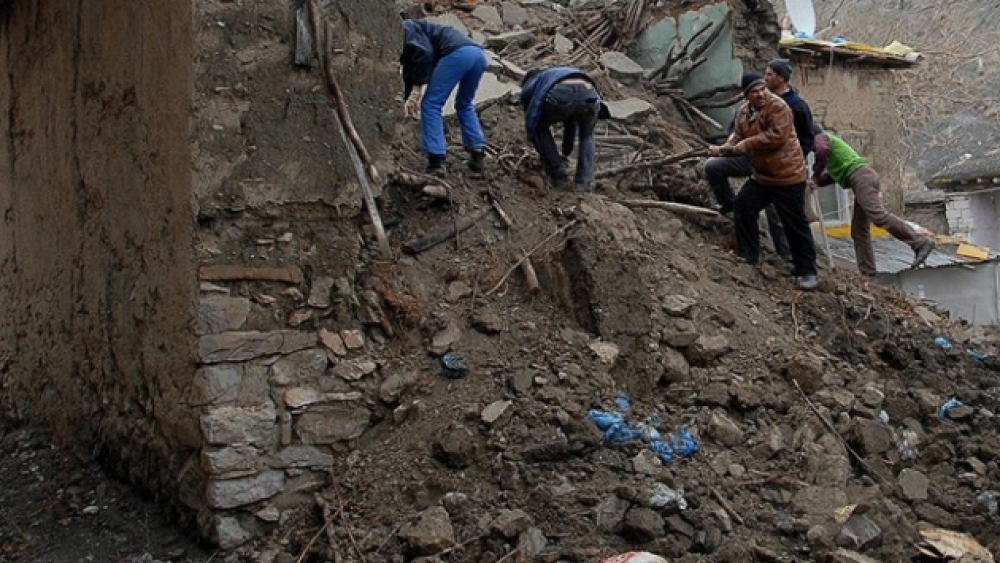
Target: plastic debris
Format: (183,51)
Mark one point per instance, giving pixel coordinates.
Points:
(949,546)
(619,431)
(988,501)
(943,343)
(623,402)
(663,496)
(978,356)
(950,404)
(907,447)
(883,416)
(454,366)
(635,557)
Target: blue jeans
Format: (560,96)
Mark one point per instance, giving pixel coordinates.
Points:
(463,67)
(575,106)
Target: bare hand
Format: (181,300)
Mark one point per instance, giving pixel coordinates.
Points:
(412,106)
(729,150)
(714,151)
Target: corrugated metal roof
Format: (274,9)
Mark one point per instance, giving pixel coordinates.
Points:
(893,256)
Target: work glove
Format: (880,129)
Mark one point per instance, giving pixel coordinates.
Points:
(411,108)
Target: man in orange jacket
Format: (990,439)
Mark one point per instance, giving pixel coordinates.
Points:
(765,132)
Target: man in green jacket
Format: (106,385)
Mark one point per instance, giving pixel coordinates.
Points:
(836,161)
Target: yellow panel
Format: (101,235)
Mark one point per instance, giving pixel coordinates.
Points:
(973,251)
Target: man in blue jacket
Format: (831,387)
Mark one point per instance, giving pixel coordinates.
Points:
(569,96)
(440,58)
(719,170)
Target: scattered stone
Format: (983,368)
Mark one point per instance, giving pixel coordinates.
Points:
(675,367)
(677,524)
(514,14)
(269,514)
(510,38)
(837,399)
(233,493)
(629,110)
(299,317)
(724,430)
(319,293)
(807,369)
(610,513)
(820,502)
(530,544)
(646,462)
(847,556)
(706,349)
(681,334)
(563,46)
(521,382)
(961,413)
(216,384)
(489,16)
(622,67)
(301,456)
(714,395)
(431,533)
(458,290)
(872,396)
(606,352)
(300,397)
(229,534)
(307,365)
(875,438)
(230,461)
(333,342)
(642,525)
(494,411)
(221,313)
(353,370)
(510,523)
(332,424)
(445,339)
(242,346)
(396,385)
(232,425)
(353,339)
(487,321)
(678,305)
(913,484)
(456,447)
(859,533)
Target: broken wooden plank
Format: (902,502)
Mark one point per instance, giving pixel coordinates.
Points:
(670,206)
(234,272)
(529,275)
(693,153)
(434,238)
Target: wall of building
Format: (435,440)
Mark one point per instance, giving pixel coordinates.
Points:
(96,257)
(858,103)
(985,212)
(967,293)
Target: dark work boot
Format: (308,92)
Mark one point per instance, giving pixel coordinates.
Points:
(477,160)
(436,165)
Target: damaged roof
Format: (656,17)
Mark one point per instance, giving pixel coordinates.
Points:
(960,153)
(893,256)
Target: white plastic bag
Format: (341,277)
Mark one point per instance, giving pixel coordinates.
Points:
(635,557)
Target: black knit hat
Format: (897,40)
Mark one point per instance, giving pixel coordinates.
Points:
(783,67)
(750,80)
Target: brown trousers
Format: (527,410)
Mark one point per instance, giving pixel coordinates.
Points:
(868,209)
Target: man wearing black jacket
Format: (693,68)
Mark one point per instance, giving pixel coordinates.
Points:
(719,170)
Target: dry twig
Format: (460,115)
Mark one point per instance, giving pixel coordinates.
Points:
(559,231)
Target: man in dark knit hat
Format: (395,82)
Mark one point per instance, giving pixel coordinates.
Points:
(764,132)
(776,76)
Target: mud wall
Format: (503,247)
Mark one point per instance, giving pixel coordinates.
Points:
(96,228)
(857,102)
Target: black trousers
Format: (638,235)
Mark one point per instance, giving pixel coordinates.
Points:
(789,202)
(576,106)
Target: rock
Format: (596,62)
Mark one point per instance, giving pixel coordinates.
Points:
(300,456)
(521,382)
(564,46)
(807,369)
(714,395)
(706,349)
(610,513)
(871,396)
(494,411)
(629,110)
(487,321)
(710,540)
(875,438)
(847,556)
(678,305)
(530,544)
(622,67)
(820,502)
(677,524)
(332,424)
(242,346)
(445,339)
(231,460)
(514,15)
(723,430)
(232,425)
(772,444)
(216,384)
(370,308)
(396,385)
(232,493)
(229,534)
(319,293)
(913,484)
(353,339)
(961,413)
(647,462)
(675,367)
(333,342)
(819,537)
(431,533)
(681,334)
(642,525)
(456,447)
(268,514)
(489,16)
(510,38)
(307,365)
(510,523)
(221,313)
(606,352)
(859,533)
(297,318)
(299,397)
(837,399)
(458,290)
(451,20)
(353,370)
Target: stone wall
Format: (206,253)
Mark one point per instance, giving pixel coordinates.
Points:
(96,229)
(857,102)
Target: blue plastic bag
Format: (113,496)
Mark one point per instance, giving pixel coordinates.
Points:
(684,443)
(943,343)
(453,366)
(952,403)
